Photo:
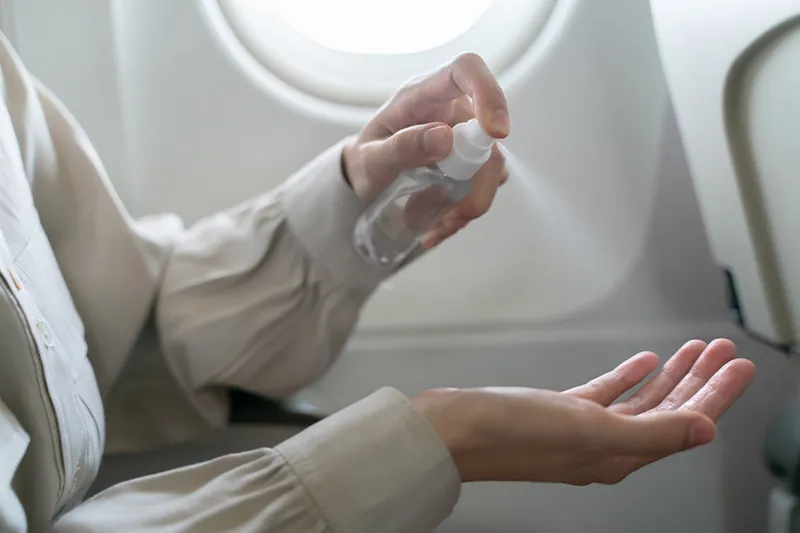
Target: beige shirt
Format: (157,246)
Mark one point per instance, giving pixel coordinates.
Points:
(123,335)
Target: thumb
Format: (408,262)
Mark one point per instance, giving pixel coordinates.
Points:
(660,434)
(409,148)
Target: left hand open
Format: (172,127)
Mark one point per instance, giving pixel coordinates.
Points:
(587,434)
(414,129)
(701,378)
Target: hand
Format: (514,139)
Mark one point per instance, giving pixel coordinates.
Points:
(413,130)
(581,436)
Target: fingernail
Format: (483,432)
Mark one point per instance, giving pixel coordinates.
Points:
(436,141)
(501,121)
(701,432)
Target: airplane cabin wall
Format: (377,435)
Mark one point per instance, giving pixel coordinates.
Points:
(593,252)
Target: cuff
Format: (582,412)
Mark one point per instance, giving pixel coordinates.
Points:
(376,467)
(322,210)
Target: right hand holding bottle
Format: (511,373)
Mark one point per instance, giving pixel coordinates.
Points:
(414,129)
(581,436)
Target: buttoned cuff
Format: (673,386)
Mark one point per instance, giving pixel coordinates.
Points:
(376,467)
(322,211)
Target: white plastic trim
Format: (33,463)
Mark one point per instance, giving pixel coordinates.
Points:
(719,133)
(501,35)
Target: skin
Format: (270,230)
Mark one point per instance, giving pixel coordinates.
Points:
(587,434)
(414,129)
(580,436)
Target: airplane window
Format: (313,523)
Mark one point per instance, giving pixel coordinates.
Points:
(357,52)
(370,27)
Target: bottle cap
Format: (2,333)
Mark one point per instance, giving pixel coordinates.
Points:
(472,148)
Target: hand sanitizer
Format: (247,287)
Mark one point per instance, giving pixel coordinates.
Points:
(395,223)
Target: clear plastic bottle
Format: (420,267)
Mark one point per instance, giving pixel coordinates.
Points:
(394,224)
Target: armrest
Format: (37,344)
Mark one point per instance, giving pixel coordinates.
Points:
(249,409)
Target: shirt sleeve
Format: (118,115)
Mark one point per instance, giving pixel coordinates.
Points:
(374,467)
(264,296)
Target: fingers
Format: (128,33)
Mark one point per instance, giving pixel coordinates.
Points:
(716,355)
(472,77)
(466,75)
(462,111)
(484,188)
(412,147)
(664,381)
(659,434)
(722,390)
(711,401)
(609,387)
(422,208)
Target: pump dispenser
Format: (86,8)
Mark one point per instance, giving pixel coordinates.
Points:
(392,227)
(472,148)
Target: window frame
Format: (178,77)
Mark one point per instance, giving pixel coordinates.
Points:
(367,80)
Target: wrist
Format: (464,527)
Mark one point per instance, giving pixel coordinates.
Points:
(457,424)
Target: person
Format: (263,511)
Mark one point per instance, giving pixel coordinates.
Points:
(124,335)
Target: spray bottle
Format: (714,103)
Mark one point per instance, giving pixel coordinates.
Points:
(395,223)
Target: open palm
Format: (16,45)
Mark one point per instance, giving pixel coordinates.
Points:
(700,377)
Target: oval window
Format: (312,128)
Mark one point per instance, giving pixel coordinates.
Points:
(358,52)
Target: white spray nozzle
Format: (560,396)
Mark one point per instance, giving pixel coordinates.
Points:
(472,148)
(476,137)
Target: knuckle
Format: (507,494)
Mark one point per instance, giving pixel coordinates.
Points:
(612,478)
(610,472)
(477,207)
(396,143)
(407,146)
(400,98)
(619,473)
(469,60)
(414,82)
(405,94)
(410,84)
(396,148)
(482,207)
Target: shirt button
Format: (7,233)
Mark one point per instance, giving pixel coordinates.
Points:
(46,333)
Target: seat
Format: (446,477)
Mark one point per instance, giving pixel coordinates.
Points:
(254,422)
(731,69)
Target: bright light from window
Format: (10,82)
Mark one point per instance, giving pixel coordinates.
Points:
(381,26)
(358,52)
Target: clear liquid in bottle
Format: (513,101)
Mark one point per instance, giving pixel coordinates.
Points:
(393,226)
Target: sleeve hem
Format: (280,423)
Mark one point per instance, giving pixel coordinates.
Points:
(322,211)
(377,466)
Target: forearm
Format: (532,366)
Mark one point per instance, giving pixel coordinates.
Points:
(261,297)
(375,467)
(265,295)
